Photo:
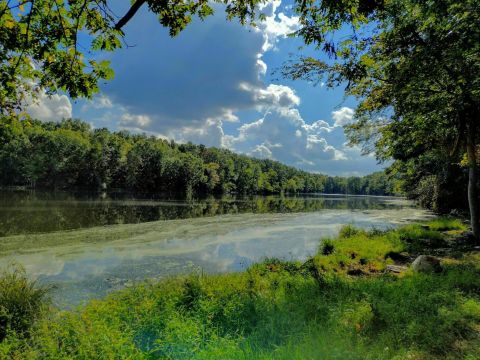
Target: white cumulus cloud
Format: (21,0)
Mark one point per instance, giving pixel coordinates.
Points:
(343,117)
(134,121)
(49,107)
(272,95)
(277,25)
(282,134)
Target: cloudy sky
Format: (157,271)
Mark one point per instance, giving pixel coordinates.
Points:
(213,85)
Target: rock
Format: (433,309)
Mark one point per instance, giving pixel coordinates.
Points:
(426,264)
(396,268)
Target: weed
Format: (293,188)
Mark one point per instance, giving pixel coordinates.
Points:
(21,302)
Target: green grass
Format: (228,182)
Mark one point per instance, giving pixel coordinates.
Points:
(21,302)
(446,223)
(280,310)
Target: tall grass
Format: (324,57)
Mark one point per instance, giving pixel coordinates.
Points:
(446,223)
(21,301)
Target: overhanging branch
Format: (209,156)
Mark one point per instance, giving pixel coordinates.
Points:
(130,13)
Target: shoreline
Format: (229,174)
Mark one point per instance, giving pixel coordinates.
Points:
(343,302)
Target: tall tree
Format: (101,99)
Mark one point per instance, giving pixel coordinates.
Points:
(414,66)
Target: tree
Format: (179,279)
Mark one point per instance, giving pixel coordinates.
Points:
(211,173)
(53,45)
(415,68)
(70,155)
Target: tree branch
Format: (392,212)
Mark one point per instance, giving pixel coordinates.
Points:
(130,13)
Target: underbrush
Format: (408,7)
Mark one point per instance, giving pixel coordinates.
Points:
(280,310)
(22,302)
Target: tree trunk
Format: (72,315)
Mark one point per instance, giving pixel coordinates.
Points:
(472,183)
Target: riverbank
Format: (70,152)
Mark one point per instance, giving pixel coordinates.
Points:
(96,255)
(345,302)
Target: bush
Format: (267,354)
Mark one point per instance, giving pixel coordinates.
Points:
(327,247)
(21,302)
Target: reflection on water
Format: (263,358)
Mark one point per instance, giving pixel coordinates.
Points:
(93,260)
(24,212)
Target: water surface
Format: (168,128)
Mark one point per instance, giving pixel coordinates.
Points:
(87,246)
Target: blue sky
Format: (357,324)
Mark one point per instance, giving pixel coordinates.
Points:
(213,85)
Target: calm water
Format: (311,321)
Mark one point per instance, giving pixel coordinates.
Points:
(88,245)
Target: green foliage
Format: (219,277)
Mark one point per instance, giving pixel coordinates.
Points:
(277,310)
(446,224)
(349,230)
(69,155)
(369,252)
(420,237)
(21,302)
(358,251)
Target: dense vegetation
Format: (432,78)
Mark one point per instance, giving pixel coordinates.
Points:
(413,65)
(281,310)
(69,154)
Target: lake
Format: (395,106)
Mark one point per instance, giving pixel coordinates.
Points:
(90,244)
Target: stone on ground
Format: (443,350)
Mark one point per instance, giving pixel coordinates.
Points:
(426,264)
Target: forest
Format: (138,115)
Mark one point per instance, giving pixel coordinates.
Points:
(71,155)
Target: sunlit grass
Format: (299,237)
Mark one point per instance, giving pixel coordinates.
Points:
(282,310)
(357,250)
(446,223)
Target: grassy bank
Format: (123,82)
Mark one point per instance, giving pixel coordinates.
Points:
(341,304)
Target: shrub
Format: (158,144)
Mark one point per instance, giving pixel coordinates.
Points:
(192,293)
(327,247)
(21,302)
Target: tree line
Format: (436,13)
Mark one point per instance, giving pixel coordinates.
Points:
(71,155)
